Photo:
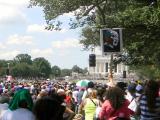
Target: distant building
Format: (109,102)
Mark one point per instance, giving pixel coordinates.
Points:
(103,66)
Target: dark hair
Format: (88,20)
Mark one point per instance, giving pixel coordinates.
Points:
(151,92)
(90,85)
(47,108)
(121,85)
(22,104)
(116,97)
(56,97)
(100,92)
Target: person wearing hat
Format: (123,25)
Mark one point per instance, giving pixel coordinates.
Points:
(131,91)
(20,107)
(90,88)
(139,91)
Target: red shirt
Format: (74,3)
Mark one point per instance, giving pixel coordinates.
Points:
(109,113)
(68,100)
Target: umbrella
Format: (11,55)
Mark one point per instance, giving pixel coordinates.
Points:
(82,83)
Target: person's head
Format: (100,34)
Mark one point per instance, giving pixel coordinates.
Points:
(47,108)
(92,94)
(151,91)
(90,85)
(43,93)
(121,85)
(100,92)
(21,99)
(69,93)
(61,93)
(132,88)
(4,99)
(116,97)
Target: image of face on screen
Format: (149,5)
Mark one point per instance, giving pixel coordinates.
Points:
(111,40)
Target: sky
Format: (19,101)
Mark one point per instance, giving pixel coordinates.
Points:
(22,32)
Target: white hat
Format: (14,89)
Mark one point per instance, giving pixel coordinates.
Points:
(139,87)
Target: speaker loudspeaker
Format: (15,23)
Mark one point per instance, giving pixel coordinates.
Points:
(92,60)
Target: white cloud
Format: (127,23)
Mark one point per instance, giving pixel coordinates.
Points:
(11,11)
(9,54)
(15,2)
(68,43)
(2,46)
(20,40)
(36,28)
(70,14)
(41,28)
(42,53)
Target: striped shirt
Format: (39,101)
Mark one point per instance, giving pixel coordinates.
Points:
(145,113)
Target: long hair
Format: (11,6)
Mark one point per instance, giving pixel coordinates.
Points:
(151,93)
(92,94)
(47,108)
(116,97)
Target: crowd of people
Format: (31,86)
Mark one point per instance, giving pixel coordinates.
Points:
(46,100)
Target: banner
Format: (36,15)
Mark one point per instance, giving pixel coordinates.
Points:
(111,40)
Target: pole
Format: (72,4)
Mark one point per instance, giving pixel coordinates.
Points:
(8,65)
(8,69)
(110,77)
(94,69)
(94,73)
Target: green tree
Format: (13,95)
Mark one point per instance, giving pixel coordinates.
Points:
(141,23)
(139,18)
(23,58)
(22,70)
(85,70)
(77,69)
(4,64)
(66,72)
(141,38)
(56,71)
(43,67)
(3,67)
(34,71)
(89,38)
(85,11)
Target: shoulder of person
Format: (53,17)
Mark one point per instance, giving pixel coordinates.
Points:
(6,115)
(107,103)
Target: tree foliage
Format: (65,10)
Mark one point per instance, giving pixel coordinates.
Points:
(85,11)
(23,58)
(22,70)
(141,23)
(23,67)
(139,18)
(56,71)
(77,69)
(44,67)
(66,72)
(89,38)
(3,67)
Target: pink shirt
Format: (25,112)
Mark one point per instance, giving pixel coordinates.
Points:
(109,113)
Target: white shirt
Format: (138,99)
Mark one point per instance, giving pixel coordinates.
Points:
(86,93)
(129,96)
(18,114)
(3,109)
(75,93)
